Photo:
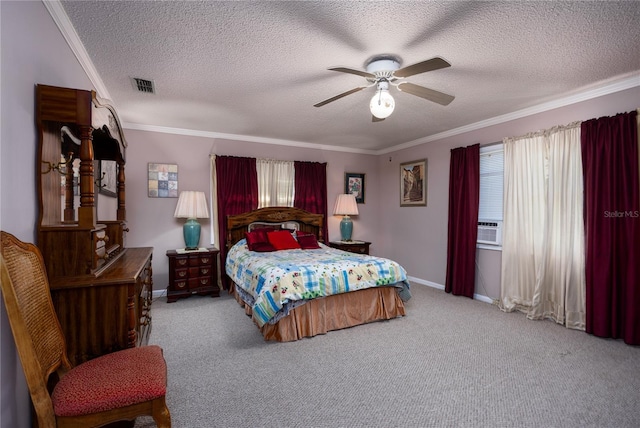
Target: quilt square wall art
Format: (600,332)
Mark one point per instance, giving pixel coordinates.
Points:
(163,180)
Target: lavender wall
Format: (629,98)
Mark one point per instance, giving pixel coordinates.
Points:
(33,51)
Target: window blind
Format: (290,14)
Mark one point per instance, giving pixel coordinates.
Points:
(491,182)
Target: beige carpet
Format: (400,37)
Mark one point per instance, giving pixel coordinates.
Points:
(451,362)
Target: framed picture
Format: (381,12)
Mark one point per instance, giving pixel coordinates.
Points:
(354,184)
(413,183)
(107,184)
(163,180)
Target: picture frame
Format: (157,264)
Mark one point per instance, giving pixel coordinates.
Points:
(163,180)
(354,183)
(413,183)
(107,181)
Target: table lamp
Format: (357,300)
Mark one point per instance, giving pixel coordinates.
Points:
(346,205)
(192,206)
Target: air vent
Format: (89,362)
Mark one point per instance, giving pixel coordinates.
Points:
(143,85)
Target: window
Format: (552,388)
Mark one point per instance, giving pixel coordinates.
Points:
(275,183)
(491,191)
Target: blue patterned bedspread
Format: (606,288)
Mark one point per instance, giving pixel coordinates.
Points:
(273,280)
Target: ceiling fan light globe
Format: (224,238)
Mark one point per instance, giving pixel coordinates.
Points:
(382,104)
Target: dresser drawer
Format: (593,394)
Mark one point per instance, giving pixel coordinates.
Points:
(181,274)
(180,284)
(199,282)
(206,260)
(181,262)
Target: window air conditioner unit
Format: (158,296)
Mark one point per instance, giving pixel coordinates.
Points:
(490,232)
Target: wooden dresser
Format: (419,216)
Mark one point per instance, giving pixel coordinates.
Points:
(101,289)
(109,312)
(192,272)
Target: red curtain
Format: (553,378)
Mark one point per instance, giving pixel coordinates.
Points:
(237,188)
(311,190)
(464,200)
(612,225)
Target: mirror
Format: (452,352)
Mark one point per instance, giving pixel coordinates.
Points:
(106,182)
(69,168)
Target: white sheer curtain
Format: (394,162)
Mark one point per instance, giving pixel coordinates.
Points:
(275,183)
(543,248)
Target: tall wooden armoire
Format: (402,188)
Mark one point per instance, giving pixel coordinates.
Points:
(100,288)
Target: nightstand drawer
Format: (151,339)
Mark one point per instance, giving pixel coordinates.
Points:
(358,247)
(182,262)
(203,281)
(180,284)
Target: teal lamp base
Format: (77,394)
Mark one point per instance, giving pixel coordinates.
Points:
(346,228)
(191,231)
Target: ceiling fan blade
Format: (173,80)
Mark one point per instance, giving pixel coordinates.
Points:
(376,119)
(426,93)
(337,97)
(354,71)
(422,67)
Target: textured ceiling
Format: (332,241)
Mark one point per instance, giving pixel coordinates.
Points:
(255,69)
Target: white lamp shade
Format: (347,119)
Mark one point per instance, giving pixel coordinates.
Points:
(382,104)
(346,205)
(191,204)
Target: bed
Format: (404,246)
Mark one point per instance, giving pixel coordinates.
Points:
(303,292)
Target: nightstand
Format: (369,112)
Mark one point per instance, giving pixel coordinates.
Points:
(358,247)
(192,272)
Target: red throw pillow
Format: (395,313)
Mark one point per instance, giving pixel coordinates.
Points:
(255,238)
(258,241)
(263,247)
(307,241)
(282,240)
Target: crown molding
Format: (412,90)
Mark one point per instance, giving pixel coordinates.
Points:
(69,33)
(246,138)
(629,81)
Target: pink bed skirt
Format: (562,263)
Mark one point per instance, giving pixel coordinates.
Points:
(333,313)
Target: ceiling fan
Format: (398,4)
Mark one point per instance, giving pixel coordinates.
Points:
(383,71)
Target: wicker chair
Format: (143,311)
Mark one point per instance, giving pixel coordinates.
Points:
(114,387)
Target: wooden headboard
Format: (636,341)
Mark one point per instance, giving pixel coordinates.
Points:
(238,224)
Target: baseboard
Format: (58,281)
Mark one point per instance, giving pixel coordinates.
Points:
(476,296)
(425,282)
(161,293)
(158,293)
